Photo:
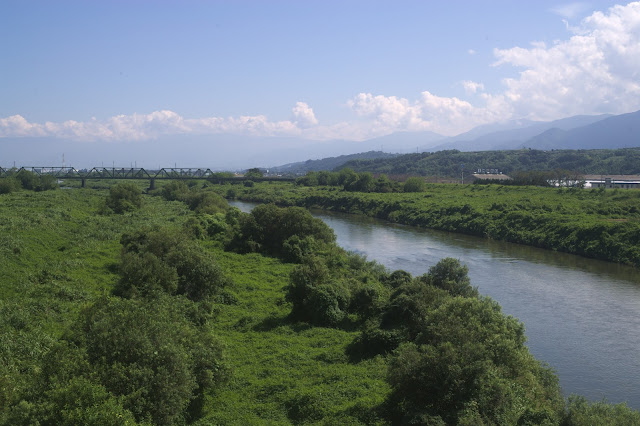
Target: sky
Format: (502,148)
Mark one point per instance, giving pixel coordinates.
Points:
(127,71)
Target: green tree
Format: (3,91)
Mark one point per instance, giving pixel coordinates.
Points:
(449,274)
(470,363)
(124,197)
(414,184)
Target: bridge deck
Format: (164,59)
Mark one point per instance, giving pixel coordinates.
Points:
(130,173)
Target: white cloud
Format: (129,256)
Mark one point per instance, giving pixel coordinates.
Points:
(595,70)
(471,52)
(149,126)
(303,115)
(471,86)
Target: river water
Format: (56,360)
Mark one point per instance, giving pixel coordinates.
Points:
(582,316)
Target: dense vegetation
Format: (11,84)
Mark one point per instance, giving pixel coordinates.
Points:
(329,163)
(181,310)
(597,223)
(448,163)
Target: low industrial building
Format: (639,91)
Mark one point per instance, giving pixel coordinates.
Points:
(612,181)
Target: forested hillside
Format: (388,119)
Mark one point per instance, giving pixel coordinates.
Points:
(450,163)
(329,163)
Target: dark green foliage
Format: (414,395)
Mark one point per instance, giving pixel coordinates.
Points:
(27,180)
(448,274)
(348,180)
(148,355)
(447,163)
(398,278)
(124,197)
(162,261)
(413,184)
(581,412)
(200,201)
(254,173)
(8,185)
(268,227)
(470,362)
(175,190)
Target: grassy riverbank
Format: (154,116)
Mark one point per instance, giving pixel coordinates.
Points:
(96,307)
(601,224)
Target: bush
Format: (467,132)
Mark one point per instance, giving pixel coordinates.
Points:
(414,184)
(155,261)
(470,363)
(8,185)
(124,197)
(449,274)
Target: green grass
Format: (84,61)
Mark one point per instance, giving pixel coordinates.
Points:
(58,254)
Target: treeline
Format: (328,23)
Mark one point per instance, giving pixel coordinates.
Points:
(352,181)
(23,179)
(449,163)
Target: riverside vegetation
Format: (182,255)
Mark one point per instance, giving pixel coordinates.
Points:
(118,307)
(596,223)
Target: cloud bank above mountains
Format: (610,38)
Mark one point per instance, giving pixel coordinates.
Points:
(595,70)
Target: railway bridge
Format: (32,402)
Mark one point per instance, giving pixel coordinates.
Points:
(124,173)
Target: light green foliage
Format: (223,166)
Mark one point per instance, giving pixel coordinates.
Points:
(124,197)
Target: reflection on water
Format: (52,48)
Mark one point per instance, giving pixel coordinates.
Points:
(581,315)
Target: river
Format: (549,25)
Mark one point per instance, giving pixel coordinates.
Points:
(582,316)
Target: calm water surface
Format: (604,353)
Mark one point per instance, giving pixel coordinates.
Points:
(582,316)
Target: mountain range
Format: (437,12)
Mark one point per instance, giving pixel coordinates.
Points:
(235,152)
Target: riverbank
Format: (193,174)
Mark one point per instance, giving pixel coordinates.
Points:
(600,224)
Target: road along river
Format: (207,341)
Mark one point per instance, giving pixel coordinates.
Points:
(582,316)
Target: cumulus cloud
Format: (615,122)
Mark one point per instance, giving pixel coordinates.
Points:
(595,70)
(471,52)
(303,115)
(443,115)
(150,126)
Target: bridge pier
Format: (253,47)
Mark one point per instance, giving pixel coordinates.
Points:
(152,184)
(84,183)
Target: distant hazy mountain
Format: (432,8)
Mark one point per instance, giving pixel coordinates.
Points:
(328,163)
(513,135)
(620,131)
(406,141)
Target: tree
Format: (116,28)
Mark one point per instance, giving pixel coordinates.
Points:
(469,365)
(124,197)
(414,184)
(254,173)
(449,274)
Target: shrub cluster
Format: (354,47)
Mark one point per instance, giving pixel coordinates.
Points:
(27,180)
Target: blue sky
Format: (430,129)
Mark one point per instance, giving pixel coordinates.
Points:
(137,70)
